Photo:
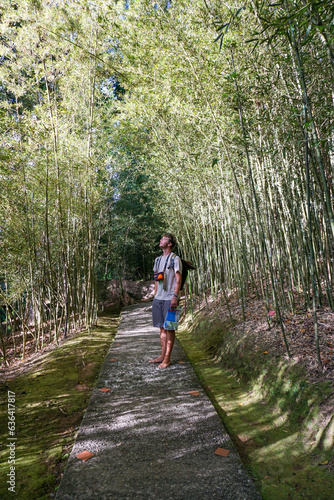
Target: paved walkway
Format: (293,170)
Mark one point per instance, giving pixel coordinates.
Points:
(151,438)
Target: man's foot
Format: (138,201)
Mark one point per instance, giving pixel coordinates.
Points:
(164,364)
(157,360)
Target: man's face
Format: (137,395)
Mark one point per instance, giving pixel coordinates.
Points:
(164,242)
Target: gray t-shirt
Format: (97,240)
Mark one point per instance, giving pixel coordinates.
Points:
(165,290)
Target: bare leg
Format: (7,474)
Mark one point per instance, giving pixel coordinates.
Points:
(170,338)
(163,342)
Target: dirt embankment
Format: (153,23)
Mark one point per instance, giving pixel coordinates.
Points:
(124,292)
(279,410)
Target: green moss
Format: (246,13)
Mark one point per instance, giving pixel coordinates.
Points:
(269,408)
(50,402)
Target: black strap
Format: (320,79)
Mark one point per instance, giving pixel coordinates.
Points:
(165,262)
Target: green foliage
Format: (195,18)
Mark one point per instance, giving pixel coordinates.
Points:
(133,227)
(120,119)
(226,139)
(54,153)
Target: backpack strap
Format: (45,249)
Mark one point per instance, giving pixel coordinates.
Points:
(166,262)
(171,265)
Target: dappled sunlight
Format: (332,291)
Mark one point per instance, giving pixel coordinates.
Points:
(149,418)
(270,410)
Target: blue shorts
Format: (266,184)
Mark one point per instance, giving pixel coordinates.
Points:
(159,311)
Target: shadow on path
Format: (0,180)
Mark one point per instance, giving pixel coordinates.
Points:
(150,437)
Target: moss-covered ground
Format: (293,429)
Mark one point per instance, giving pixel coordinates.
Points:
(272,410)
(51,398)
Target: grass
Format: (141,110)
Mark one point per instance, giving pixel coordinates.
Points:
(270,409)
(51,398)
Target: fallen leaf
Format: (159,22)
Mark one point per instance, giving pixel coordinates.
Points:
(85,455)
(113,359)
(265,352)
(195,393)
(104,389)
(222,452)
(324,463)
(181,362)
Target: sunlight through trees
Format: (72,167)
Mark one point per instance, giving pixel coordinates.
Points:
(119,118)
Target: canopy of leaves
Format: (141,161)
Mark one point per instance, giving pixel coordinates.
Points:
(123,119)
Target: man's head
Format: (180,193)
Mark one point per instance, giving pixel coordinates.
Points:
(167,240)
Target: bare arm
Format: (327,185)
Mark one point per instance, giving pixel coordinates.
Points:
(177,287)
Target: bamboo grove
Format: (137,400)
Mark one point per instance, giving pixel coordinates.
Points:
(50,171)
(227,111)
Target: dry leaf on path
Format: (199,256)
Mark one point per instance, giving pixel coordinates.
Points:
(85,455)
(222,452)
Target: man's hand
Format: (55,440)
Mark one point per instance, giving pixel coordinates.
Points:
(173,303)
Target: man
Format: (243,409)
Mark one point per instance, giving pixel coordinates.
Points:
(167,270)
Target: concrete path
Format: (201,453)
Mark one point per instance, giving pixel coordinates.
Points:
(150,437)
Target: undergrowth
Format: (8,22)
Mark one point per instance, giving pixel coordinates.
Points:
(271,407)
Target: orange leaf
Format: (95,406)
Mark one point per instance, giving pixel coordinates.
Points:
(85,455)
(104,389)
(265,352)
(195,393)
(222,452)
